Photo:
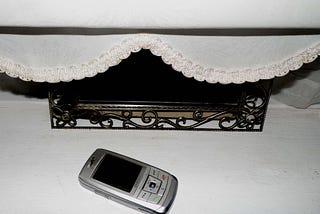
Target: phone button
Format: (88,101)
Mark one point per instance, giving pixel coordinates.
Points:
(152,185)
(144,195)
(162,190)
(154,172)
(163,177)
(154,198)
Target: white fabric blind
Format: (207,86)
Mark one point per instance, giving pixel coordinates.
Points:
(223,59)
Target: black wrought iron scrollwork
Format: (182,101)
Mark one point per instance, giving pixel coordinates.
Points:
(251,112)
(63,113)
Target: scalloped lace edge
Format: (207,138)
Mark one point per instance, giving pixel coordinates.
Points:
(169,56)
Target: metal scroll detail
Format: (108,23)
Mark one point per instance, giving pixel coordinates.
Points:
(247,116)
(251,113)
(150,119)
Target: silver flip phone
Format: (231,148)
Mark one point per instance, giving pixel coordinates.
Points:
(129,182)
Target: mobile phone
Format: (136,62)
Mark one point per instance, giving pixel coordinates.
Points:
(128,181)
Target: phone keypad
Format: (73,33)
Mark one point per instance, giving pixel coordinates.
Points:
(154,198)
(154,172)
(144,195)
(152,185)
(155,186)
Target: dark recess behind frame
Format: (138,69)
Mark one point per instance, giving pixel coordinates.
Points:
(142,87)
(144,77)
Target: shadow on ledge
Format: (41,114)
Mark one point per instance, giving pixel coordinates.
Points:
(22,88)
(301,88)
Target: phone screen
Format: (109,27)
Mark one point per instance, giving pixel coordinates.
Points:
(117,172)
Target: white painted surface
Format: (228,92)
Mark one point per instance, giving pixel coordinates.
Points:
(276,171)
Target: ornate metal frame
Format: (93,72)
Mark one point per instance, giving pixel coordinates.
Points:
(247,114)
(155,96)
